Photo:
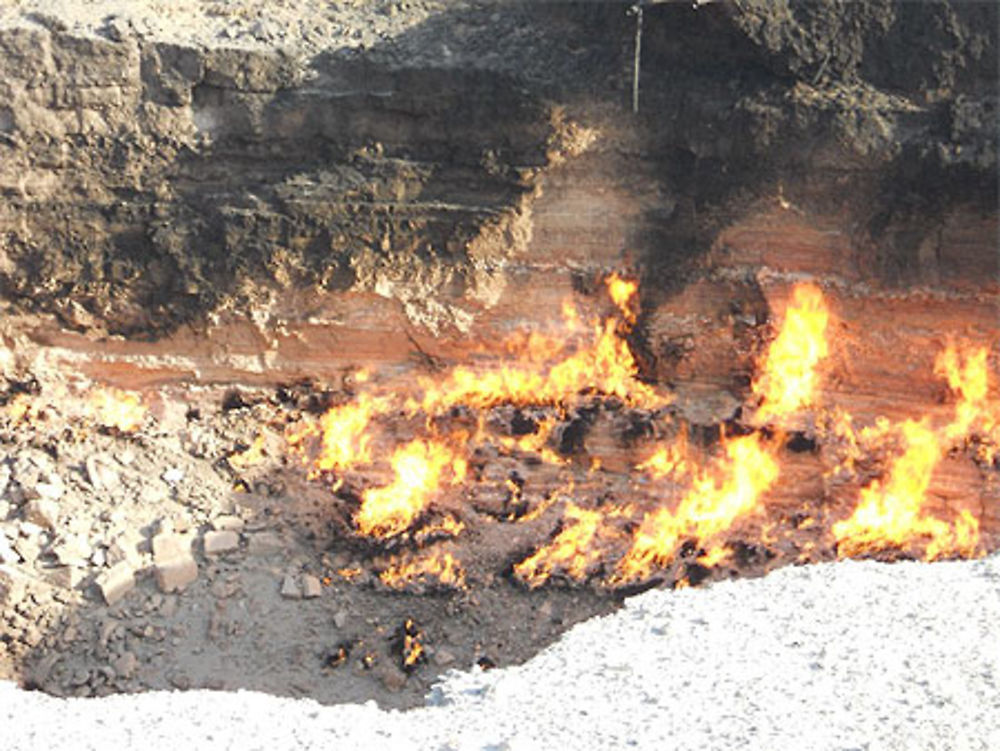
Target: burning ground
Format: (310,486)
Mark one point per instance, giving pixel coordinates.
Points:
(354,541)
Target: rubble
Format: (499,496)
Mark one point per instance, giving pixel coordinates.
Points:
(116,582)
(228,523)
(173,563)
(264,543)
(290,589)
(100,473)
(221,542)
(311,587)
(42,511)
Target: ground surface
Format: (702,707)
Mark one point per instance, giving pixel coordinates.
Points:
(843,656)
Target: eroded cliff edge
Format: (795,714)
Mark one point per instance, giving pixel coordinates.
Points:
(458,168)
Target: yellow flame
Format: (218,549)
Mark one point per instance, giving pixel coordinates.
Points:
(720,493)
(574,551)
(440,568)
(623,293)
(965,368)
(889,514)
(419,466)
(115,408)
(788,378)
(253,455)
(672,459)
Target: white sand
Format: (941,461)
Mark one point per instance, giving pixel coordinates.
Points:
(843,656)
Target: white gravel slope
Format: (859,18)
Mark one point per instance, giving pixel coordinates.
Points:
(842,656)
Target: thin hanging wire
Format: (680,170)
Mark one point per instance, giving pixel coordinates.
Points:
(637,10)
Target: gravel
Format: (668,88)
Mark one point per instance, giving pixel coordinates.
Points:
(852,655)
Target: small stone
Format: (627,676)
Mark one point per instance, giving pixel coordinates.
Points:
(5,510)
(72,551)
(264,543)
(116,582)
(290,588)
(7,553)
(100,473)
(179,681)
(340,619)
(125,665)
(49,491)
(172,476)
(443,657)
(173,564)
(311,587)
(228,523)
(12,587)
(67,577)
(392,677)
(43,512)
(125,548)
(217,543)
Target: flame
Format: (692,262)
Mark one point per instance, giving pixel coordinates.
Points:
(720,493)
(252,456)
(574,550)
(889,513)
(965,368)
(115,408)
(439,568)
(606,366)
(668,460)
(420,467)
(343,432)
(788,377)
(714,556)
(623,293)
(448,526)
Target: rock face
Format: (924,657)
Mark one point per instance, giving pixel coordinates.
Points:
(150,183)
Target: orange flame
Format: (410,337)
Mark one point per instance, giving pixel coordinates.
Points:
(966,370)
(623,293)
(719,495)
(605,366)
(420,466)
(439,568)
(574,550)
(788,377)
(668,460)
(889,513)
(252,456)
(344,437)
(114,408)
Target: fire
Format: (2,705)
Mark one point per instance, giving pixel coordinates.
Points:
(574,551)
(344,437)
(605,366)
(438,568)
(889,514)
(252,456)
(668,460)
(622,294)
(420,466)
(788,378)
(720,493)
(114,408)
(965,368)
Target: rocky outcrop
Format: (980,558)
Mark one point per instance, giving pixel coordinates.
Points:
(468,165)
